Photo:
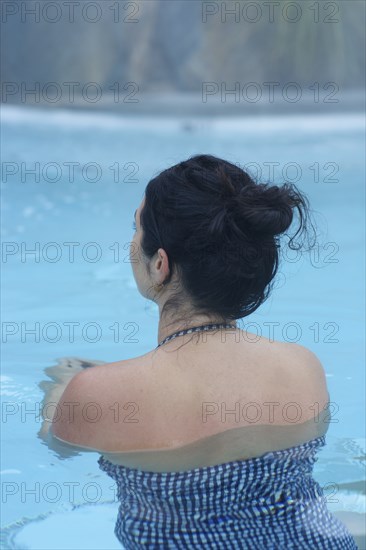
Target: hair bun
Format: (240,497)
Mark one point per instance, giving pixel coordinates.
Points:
(267,210)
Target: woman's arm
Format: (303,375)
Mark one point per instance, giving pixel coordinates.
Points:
(60,375)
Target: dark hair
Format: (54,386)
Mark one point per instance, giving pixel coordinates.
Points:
(220,230)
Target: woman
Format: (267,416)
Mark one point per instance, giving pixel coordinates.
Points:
(211,437)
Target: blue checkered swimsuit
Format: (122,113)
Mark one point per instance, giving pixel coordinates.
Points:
(269,502)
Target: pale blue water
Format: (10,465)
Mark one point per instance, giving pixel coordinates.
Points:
(319,300)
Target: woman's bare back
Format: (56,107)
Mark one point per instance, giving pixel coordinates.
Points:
(200,405)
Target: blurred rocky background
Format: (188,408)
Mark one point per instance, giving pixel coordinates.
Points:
(167,47)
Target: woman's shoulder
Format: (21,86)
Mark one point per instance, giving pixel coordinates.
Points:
(291,352)
(305,372)
(309,361)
